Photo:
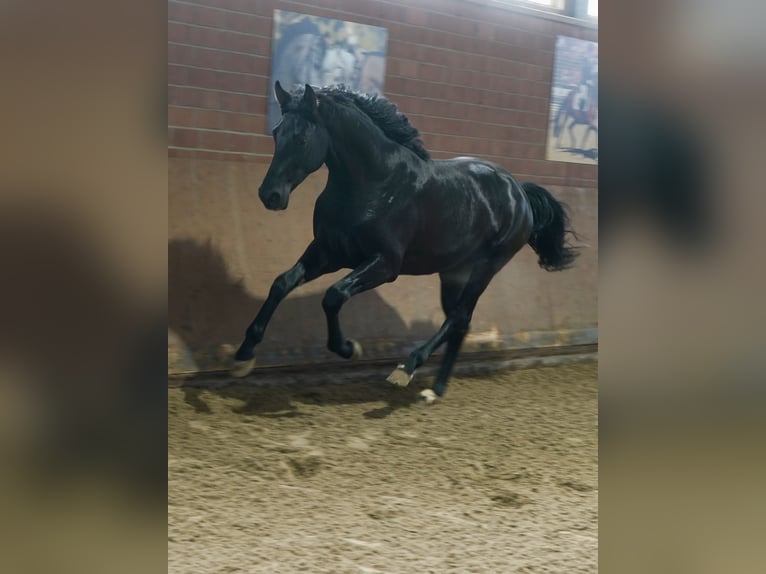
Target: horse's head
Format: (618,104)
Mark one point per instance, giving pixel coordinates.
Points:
(301,143)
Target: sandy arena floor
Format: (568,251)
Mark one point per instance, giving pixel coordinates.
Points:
(499,477)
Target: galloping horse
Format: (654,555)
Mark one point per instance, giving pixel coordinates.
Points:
(388,209)
(581,115)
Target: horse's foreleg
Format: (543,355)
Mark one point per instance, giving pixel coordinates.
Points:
(311,265)
(365,277)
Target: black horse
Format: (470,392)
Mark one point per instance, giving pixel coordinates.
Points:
(388,209)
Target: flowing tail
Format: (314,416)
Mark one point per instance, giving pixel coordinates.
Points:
(551,227)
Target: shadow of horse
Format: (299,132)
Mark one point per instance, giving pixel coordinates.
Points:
(283,401)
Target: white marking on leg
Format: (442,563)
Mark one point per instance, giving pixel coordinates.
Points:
(428,396)
(358,352)
(242,368)
(400,377)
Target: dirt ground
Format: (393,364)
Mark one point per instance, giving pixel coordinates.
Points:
(500,476)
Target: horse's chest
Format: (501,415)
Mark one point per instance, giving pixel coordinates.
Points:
(339,238)
(352,232)
(336,240)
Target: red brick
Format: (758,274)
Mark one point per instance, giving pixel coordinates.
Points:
(177,32)
(174,53)
(504,62)
(206,155)
(210,99)
(210,119)
(431,73)
(196,36)
(210,17)
(233,102)
(263,145)
(242,63)
(244,143)
(240,123)
(261,26)
(408,69)
(181,117)
(416,17)
(184,137)
(231,82)
(256,105)
(256,85)
(242,43)
(208,38)
(180,12)
(213,140)
(183,96)
(238,22)
(180,54)
(202,78)
(175,152)
(177,75)
(260,66)
(204,58)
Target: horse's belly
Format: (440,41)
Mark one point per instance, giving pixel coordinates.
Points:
(435,251)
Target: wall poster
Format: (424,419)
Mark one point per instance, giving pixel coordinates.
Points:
(324,52)
(573,127)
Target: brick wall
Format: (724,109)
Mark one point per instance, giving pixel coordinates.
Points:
(474,79)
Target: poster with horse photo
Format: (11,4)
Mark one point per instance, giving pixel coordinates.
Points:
(573,129)
(325,52)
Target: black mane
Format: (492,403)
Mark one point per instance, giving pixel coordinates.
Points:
(383,114)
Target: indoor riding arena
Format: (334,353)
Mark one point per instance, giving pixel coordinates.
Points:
(309,462)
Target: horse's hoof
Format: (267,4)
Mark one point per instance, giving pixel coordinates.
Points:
(428,396)
(400,377)
(242,368)
(225,351)
(357,353)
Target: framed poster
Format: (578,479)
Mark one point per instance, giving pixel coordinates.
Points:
(573,126)
(324,52)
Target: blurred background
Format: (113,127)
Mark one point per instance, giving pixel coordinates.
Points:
(681,279)
(86,183)
(83,224)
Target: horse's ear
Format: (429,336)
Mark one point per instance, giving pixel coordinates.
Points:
(282,96)
(310,98)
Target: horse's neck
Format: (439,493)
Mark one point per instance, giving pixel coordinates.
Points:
(356,155)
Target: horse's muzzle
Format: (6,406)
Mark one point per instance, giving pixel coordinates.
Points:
(274,200)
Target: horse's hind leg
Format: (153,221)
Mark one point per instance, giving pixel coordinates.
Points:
(452,331)
(452,287)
